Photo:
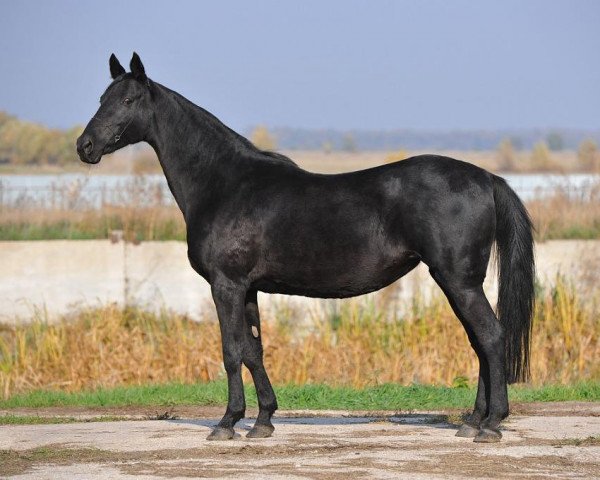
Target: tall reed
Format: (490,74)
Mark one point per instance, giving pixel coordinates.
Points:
(567,213)
(360,343)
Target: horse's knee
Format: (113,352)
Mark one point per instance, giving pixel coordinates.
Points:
(232,362)
(492,338)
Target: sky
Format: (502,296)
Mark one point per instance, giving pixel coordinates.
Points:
(342,64)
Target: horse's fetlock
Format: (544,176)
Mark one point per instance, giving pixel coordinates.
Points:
(236,413)
(270,406)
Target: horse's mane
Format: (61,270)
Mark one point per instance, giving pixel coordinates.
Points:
(257,152)
(275,156)
(251,150)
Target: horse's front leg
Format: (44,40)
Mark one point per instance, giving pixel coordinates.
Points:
(253,359)
(229,298)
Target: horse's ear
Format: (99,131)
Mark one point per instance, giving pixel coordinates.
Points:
(137,68)
(116,68)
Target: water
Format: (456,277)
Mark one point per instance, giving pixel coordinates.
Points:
(73,190)
(541,185)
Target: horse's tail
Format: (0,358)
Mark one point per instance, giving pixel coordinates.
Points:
(514,246)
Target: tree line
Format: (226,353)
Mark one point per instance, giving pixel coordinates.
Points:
(28,143)
(541,159)
(525,139)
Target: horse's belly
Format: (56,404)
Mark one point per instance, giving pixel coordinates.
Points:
(338,278)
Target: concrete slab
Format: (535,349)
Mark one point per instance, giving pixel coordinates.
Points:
(331,447)
(57,276)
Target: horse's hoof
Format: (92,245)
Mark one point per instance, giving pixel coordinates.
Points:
(467,431)
(487,435)
(261,431)
(221,433)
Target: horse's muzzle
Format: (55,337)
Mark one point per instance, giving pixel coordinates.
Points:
(85,149)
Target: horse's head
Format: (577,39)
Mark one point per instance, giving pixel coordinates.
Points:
(124,114)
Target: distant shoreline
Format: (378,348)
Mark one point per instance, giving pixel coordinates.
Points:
(143,160)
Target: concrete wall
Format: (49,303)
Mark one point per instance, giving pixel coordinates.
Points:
(56,277)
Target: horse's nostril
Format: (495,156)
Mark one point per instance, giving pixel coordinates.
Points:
(88,146)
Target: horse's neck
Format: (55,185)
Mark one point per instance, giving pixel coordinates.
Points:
(193,148)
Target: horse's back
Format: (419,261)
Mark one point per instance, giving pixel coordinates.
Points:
(347,234)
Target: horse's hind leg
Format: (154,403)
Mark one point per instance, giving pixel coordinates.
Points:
(470,428)
(253,359)
(486,335)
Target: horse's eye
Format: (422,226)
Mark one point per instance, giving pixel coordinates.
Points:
(127,101)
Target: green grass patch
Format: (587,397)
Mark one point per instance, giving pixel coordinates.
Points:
(54,231)
(90,230)
(591,441)
(383,397)
(33,420)
(574,232)
(10,419)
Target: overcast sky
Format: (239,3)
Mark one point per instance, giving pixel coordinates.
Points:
(341,64)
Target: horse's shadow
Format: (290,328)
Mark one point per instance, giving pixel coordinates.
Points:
(432,420)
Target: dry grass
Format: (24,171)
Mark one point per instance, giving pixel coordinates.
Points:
(361,344)
(139,223)
(567,215)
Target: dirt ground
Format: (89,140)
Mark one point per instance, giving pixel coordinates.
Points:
(560,440)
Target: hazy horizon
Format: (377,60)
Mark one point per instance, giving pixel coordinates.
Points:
(340,65)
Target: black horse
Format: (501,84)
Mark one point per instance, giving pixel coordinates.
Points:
(256,221)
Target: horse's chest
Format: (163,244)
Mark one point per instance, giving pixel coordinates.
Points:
(230,252)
